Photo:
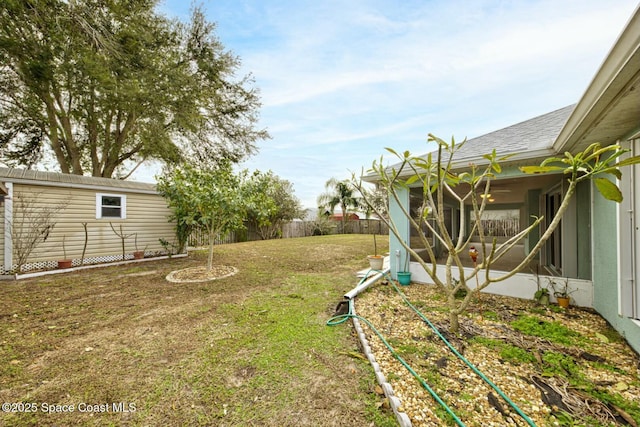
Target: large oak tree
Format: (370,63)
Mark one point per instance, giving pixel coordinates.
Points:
(104,85)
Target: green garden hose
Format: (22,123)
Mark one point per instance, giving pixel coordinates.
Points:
(465,360)
(336,320)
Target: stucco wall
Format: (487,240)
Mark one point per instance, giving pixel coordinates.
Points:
(605,274)
(403,227)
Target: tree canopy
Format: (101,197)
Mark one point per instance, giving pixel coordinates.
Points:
(102,86)
(218,200)
(210,199)
(339,193)
(273,203)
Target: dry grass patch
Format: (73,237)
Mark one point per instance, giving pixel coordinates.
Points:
(250,349)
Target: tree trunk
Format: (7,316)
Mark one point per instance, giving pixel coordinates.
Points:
(54,138)
(454,324)
(210,256)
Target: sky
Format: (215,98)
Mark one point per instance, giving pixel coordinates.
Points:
(341,80)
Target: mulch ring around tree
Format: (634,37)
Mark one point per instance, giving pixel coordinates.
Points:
(200,274)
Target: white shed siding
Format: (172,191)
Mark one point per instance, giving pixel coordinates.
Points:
(147,216)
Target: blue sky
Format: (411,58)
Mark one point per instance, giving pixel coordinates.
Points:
(341,80)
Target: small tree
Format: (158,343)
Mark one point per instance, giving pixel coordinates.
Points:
(123,237)
(436,179)
(270,203)
(339,193)
(210,199)
(31,225)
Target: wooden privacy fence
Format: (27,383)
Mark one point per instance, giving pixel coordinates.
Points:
(294,229)
(200,237)
(310,228)
(365,226)
(297,229)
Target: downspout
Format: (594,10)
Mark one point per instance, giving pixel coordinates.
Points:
(8,225)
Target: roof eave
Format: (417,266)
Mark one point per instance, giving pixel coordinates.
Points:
(54,179)
(615,72)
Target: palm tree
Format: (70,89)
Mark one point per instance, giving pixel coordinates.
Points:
(339,193)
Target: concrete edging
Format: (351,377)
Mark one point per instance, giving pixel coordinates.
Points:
(394,402)
(86,267)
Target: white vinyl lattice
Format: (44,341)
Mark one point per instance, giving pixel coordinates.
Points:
(52,265)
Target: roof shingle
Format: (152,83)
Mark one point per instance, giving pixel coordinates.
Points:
(533,134)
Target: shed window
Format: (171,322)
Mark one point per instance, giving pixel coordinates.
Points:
(111,206)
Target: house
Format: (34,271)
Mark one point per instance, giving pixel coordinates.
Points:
(107,206)
(338,216)
(597,246)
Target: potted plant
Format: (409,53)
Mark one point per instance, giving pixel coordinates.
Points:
(375,261)
(65,262)
(138,254)
(562,292)
(404,276)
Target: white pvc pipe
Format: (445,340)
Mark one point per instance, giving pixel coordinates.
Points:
(364,285)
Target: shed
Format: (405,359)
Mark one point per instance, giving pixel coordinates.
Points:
(133,209)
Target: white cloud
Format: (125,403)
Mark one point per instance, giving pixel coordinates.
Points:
(341,80)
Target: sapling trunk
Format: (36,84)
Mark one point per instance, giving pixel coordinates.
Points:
(122,237)
(86,240)
(210,255)
(375,245)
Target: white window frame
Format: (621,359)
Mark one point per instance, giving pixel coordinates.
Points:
(99,206)
(546,260)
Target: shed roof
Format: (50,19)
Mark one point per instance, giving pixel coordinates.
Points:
(24,176)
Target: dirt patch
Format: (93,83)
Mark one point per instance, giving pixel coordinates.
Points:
(201,274)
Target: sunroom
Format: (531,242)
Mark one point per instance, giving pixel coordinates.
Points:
(513,201)
(597,244)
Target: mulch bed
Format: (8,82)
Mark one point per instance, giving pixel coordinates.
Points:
(546,388)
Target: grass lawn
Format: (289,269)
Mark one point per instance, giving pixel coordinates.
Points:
(122,346)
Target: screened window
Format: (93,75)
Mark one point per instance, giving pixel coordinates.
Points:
(111,206)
